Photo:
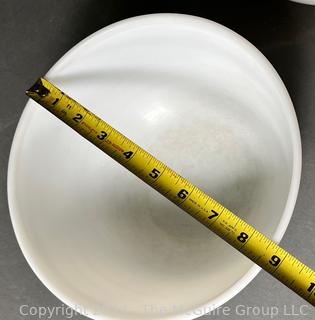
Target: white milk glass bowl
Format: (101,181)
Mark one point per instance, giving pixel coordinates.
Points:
(201,99)
(311,2)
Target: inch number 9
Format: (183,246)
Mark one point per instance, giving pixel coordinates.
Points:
(274,260)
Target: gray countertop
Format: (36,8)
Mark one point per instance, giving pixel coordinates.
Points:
(35,34)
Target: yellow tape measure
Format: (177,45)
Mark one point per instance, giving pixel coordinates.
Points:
(242,236)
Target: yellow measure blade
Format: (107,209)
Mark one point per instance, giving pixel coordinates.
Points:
(231,228)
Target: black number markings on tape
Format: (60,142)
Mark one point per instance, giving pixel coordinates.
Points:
(242,237)
(78,117)
(182,194)
(128,154)
(102,135)
(215,214)
(154,173)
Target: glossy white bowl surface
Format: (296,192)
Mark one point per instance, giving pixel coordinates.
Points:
(200,98)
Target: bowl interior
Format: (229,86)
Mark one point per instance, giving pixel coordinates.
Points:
(198,98)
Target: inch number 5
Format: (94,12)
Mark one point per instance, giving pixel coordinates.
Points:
(154,173)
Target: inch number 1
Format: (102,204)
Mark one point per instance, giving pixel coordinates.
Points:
(55,102)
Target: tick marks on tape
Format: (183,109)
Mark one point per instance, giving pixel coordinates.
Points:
(231,228)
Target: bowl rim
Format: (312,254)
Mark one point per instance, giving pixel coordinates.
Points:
(204,24)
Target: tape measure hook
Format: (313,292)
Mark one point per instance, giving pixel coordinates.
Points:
(39,89)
